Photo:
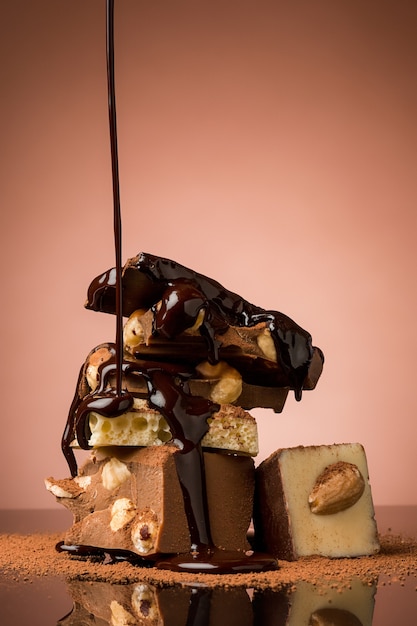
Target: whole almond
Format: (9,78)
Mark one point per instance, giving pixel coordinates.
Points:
(337,488)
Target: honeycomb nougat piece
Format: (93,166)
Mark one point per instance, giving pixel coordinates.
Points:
(231,428)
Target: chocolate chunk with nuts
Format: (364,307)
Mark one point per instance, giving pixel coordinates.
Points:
(138,506)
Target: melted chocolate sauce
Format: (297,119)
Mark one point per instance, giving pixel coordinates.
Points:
(168,391)
(101,554)
(216,561)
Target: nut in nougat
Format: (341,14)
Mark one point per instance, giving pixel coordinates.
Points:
(229,385)
(338,488)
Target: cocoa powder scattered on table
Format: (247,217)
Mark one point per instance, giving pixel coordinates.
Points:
(35,555)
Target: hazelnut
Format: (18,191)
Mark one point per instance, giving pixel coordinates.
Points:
(120,616)
(122,512)
(229,386)
(145,531)
(114,473)
(266,344)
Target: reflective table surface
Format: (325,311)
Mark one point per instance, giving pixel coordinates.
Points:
(49,600)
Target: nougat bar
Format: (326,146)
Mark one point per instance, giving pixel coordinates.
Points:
(315,500)
(231,428)
(131,499)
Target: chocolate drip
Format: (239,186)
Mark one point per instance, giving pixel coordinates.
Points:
(187,418)
(213,561)
(171,389)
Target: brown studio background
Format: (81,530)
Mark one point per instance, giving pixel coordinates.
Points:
(271,145)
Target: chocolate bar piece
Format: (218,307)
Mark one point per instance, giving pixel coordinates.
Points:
(263,345)
(250,350)
(132,500)
(315,500)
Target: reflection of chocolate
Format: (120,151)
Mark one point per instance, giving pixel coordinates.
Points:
(143,604)
(271,608)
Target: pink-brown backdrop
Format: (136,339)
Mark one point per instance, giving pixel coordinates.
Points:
(271,145)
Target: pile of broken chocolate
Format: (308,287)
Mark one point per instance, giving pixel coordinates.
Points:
(171,481)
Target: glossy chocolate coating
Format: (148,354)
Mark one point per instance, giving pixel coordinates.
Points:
(182,293)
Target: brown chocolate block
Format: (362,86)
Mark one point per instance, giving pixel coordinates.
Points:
(132,500)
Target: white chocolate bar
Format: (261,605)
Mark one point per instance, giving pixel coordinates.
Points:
(287,485)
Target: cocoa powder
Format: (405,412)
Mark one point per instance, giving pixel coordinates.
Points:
(35,555)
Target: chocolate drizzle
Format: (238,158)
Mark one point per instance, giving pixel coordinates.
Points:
(168,393)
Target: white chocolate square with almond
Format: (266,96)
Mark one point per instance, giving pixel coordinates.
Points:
(315,500)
